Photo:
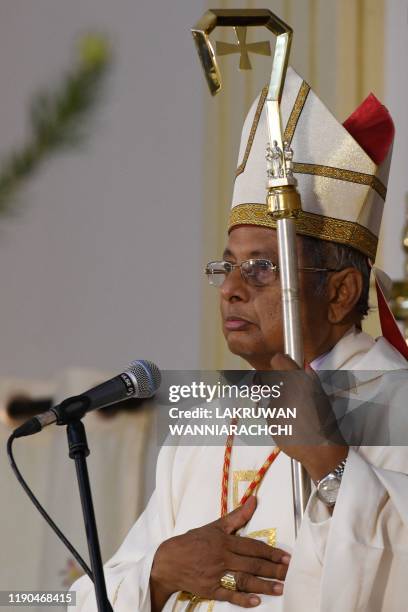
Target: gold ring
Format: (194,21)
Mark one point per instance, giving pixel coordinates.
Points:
(228,582)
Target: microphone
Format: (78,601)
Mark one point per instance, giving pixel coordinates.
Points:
(142,379)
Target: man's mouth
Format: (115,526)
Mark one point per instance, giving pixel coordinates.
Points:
(233,323)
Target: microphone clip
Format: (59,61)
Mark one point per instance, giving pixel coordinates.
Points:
(72,409)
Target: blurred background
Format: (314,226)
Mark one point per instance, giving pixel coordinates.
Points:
(108,218)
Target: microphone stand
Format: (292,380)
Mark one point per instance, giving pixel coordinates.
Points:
(79,451)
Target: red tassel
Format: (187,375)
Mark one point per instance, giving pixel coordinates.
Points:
(372,127)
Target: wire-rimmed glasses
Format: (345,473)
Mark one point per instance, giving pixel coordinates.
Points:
(256,272)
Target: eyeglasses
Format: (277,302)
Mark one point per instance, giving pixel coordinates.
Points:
(256,272)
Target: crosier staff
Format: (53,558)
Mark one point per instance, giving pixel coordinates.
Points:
(282,198)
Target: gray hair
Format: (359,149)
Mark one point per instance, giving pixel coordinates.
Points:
(323,254)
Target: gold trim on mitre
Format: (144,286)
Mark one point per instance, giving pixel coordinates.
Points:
(296,112)
(310,224)
(252,133)
(343,175)
(290,126)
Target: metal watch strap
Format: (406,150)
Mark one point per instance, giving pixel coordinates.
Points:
(338,471)
(340,468)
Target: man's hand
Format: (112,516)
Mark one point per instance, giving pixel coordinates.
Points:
(196,561)
(316,442)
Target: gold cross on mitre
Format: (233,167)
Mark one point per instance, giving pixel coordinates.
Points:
(244,48)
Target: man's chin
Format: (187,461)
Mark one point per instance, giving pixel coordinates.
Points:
(255,355)
(240,346)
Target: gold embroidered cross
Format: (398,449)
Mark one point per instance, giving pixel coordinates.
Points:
(244,48)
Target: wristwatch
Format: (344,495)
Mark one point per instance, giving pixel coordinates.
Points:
(328,487)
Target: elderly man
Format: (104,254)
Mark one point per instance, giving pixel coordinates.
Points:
(352,550)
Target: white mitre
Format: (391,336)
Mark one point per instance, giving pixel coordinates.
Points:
(342,189)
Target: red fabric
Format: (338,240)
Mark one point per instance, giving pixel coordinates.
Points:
(389,326)
(372,127)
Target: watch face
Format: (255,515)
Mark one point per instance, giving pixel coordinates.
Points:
(328,489)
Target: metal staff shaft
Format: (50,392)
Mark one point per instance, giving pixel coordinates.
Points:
(293,342)
(284,206)
(290,289)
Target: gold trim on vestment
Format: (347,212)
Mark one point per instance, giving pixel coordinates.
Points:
(310,224)
(194,602)
(296,112)
(342,175)
(252,133)
(269,534)
(237,477)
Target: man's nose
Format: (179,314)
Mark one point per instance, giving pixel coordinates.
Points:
(234,287)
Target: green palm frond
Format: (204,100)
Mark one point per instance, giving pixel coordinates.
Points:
(57,116)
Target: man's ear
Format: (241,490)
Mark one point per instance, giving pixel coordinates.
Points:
(343,291)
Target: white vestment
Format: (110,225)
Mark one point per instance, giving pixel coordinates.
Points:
(354,560)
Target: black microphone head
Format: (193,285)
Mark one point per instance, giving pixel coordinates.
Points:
(147,375)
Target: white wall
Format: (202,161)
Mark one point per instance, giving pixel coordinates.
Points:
(396,95)
(102,263)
